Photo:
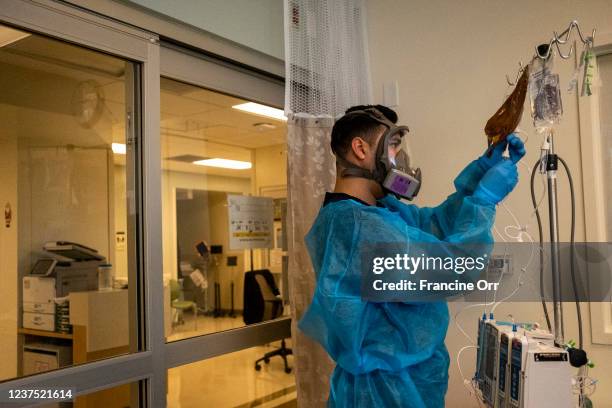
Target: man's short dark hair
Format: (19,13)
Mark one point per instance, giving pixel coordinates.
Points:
(349,127)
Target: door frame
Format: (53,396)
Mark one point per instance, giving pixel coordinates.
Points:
(185,65)
(593,182)
(67,23)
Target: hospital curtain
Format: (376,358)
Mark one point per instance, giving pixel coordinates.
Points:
(326,72)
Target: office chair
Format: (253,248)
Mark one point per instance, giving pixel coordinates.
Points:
(180,305)
(261,303)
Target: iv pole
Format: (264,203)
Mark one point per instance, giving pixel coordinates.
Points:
(552,162)
(549,165)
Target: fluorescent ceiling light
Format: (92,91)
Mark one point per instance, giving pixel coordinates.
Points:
(224,163)
(118,148)
(263,110)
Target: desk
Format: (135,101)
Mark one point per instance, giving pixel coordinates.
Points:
(100,330)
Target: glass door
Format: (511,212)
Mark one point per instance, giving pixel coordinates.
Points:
(72,244)
(224,184)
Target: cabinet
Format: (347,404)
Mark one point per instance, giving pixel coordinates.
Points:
(100,330)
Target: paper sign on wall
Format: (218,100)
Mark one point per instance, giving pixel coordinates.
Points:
(251,222)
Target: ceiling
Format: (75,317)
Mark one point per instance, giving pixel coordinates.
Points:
(193,120)
(208,115)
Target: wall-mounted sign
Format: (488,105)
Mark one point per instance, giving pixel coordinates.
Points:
(251,222)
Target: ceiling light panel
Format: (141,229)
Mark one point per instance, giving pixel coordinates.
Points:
(261,110)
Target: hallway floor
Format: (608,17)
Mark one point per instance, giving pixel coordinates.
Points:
(230,380)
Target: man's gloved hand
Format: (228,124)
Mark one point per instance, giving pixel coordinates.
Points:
(486,162)
(467,181)
(516,148)
(498,182)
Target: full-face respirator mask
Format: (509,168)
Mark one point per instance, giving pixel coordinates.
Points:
(392,169)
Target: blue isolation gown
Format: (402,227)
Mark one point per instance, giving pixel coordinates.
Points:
(387,354)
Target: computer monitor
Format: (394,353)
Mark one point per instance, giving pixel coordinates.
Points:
(202,248)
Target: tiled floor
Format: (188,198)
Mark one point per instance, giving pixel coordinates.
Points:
(229,380)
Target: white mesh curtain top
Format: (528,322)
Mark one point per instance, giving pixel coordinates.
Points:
(326,57)
(327,71)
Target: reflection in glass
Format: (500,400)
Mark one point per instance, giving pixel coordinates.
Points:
(223,186)
(231,380)
(63,190)
(121,396)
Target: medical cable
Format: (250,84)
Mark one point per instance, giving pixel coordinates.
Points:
(495,303)
(522,230)
(541,241)
(573,250)
(520,278)
(467,383)
(572,247)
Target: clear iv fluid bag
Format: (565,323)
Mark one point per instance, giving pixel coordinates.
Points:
(544,94)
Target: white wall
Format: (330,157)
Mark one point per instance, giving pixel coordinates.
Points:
(271,168)
(450,59)
(255,24)
(173,180)
(68,198)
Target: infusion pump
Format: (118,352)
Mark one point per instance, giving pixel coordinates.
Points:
(518,366)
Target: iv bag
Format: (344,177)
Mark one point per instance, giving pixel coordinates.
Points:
(544,94)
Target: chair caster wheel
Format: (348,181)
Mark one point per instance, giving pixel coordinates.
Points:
(288,370)
(267,360)
(257,367)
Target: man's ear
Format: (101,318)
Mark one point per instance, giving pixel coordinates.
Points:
(360,148)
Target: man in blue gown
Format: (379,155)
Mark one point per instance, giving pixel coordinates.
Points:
(390,354)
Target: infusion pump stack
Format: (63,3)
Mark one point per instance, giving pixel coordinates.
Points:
(519,366)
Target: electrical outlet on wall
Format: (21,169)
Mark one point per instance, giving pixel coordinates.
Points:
(499,264)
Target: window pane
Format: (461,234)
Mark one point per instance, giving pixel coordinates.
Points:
(223,199)
(63,187)
(231,380)
(121,396)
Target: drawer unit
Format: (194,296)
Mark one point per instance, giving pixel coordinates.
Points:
(48,307)
(39,321)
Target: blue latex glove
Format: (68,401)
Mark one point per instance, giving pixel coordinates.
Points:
(467,181)
(498,182)
(516,149)
(487,162)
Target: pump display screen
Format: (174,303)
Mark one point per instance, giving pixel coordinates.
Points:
(481,351)
(491,352)
(515,369)
(503,361)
